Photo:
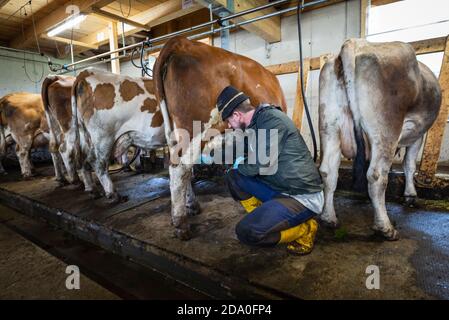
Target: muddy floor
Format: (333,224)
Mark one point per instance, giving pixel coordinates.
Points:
(29,272)
(415,267)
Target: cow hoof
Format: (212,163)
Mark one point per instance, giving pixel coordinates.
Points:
(194,209)
(116,198)
(183,233)
(74,186)
(329,224)
(410,201)
(28,177)
(61,183)
(390,235)
(94,194)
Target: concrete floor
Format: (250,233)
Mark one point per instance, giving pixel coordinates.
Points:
(28,272)
(415,267)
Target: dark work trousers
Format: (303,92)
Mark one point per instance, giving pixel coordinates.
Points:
(263,226)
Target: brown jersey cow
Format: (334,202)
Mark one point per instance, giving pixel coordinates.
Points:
(22,113)
(56,96)
(188,77)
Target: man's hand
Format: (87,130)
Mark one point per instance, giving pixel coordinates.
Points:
(235,165)
(206,159)
(237,162)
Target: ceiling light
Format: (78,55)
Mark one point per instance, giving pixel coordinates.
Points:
(69,23)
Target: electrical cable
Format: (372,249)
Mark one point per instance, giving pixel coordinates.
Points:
(129,8)
(38,48)
(34,29)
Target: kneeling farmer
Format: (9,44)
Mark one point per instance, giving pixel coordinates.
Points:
(283,203)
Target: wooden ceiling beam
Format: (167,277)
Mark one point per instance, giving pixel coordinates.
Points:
(113,17)
(268,29)
(315,7)
(168,10)
(45,23)
(3,3)
(382,2)
(68,41)
(178,12)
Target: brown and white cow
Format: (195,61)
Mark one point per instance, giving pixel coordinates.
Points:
(3,145)
(106,108)
(56,96)
(373,99)
(5,142)
(189,76)
(22,114)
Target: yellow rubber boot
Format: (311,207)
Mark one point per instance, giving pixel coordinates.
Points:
(304,244)
(294,233)
(250,204)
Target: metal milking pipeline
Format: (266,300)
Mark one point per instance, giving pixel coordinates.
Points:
(148,43)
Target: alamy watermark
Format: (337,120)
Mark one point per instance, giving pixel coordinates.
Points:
(254,147)
(373,279)
(72,281)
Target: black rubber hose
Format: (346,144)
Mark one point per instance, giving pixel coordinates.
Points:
(144,67)
(129,163)
(132,58)
(306,107)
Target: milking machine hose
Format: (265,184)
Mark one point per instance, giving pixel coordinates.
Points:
(301,74)
(128,164)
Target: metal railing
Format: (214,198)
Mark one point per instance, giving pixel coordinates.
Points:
(148,44)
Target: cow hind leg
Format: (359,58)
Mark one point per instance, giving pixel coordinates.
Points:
(180,175)
(23,153)
(2,169)
(377,176)
(330,162)
(59,171)
(409,166)
(101,170)
(66,151)
(336,134)
(89,185)
(101,166)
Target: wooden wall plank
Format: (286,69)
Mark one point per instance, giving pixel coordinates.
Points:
(421,47)
(298,109)
(434,139)
(364,11)
(113,45)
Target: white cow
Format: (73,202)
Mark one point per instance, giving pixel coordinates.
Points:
(374,99)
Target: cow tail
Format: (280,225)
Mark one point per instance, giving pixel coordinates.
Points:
(360,165)
(160,69)
(2,130)
(44,90)
(75,128)
(51,123)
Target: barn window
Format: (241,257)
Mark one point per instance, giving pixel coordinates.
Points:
(409,20)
